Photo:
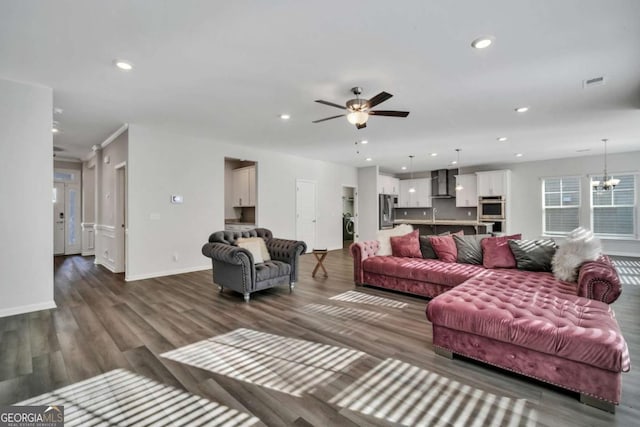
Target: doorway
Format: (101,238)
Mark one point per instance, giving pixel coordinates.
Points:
(349,215)
(67,239)
(306,217)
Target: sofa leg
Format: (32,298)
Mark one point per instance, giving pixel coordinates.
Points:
(220,288)
(443,352)
(246,297)
(598,403)
(291,286)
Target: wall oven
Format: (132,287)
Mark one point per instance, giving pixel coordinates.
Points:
(491,208)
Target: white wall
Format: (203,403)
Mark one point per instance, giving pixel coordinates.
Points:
(26,215)
(368,217)
(526,192)
(161,164)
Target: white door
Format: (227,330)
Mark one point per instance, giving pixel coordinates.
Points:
(306,218)
(72,232)
(58,218)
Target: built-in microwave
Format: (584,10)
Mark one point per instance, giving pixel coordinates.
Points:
(491,208)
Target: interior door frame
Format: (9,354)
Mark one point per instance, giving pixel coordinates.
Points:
(315,210)
(121,223)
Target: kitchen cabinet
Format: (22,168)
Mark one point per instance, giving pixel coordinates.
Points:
(244,186)
(493,183)
(468,196)
(421,198)
(388,185)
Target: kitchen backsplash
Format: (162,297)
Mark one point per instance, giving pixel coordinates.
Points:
(446,209)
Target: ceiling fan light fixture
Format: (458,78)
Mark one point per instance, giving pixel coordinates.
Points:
(357,117)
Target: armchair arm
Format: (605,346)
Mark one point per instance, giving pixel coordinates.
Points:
(599,280)
(288,251)
(361,251)
(232,266)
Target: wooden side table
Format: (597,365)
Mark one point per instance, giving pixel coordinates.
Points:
(320,255)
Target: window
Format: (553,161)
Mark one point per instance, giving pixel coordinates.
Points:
(613,211)
(560,204)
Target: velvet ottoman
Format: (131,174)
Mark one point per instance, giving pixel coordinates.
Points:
(535,325)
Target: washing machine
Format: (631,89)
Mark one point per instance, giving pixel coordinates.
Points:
(347,227)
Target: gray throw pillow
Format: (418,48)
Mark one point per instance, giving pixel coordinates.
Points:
(427,249)
(533,255)
(469,248)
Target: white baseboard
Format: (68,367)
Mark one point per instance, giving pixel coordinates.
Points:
(27,308)
(130,278)
(88,253)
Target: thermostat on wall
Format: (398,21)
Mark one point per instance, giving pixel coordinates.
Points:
(176,198)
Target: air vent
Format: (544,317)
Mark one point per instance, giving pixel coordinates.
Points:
(57,149)
(595,81)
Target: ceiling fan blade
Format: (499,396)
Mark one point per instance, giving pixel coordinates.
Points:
(389,113)
(378,99)
(361,125)
(331,104)
(328,118)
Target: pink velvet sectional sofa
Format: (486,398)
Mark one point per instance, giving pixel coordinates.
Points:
(559,332)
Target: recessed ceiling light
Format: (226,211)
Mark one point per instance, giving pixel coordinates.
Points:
(519,154)
(502,138)
(522,109)
(482,42)
(433,154)
(123,65)
(583,150)
(58,110)
(368,159)
(285,116)
(364,141)
(454,162)
(55,130)
(404,168)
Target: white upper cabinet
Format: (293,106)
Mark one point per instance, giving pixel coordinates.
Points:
(244,186)
(468,196)
(493,183)
(388,185)
(421,198)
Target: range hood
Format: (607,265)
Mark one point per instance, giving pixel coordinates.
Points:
(443,185)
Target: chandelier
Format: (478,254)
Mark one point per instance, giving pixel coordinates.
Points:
(608,182)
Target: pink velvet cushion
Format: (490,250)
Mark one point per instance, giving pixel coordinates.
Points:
(407,245)
(535,311)
(412,270)
(444,247)
(496,252)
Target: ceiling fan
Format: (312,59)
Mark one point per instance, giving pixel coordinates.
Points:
(359,110)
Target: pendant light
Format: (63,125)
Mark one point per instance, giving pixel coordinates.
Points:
(459,186)
(412,188)
(608,182)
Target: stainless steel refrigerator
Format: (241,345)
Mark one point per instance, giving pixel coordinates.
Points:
(386,211)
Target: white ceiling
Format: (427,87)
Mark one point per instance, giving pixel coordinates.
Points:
(226,70)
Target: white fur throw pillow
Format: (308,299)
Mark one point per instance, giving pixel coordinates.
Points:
(384,238)
(580,246)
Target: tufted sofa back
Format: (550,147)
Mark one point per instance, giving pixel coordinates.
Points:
(230,237)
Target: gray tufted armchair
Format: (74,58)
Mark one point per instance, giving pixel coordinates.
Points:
(233,267)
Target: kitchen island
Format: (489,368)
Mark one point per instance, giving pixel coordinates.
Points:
(430,226)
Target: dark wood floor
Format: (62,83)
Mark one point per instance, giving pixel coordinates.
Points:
(103,323)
